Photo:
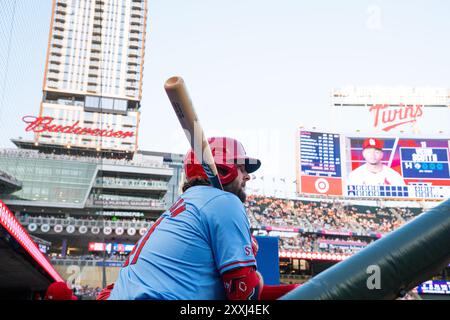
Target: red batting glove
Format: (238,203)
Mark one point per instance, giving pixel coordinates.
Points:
(104,294)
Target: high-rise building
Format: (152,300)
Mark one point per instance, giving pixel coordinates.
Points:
(82,184)
(93,75)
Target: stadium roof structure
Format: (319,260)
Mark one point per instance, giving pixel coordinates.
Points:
(8,183)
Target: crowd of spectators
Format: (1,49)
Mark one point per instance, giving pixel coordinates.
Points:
(113,199)
(319,215)
(111,218)
(34,154)
(25,216)
(85,292)
(411,295)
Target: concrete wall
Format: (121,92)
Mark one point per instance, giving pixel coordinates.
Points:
(87,275)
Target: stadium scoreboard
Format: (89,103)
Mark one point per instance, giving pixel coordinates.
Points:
(325,159)
(320,154)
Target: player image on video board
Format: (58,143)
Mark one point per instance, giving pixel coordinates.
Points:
(398,167)
(374,172)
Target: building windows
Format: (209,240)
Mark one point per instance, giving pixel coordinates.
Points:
(104,104)
(92,102)
(107,104)
(120,105)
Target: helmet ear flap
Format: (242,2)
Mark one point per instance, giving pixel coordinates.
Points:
(227,173)
(227,153)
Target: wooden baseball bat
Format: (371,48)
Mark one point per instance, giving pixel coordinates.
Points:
(182,105)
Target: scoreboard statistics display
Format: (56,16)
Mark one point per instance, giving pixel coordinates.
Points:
(419,167)
(321,154)
(320,163)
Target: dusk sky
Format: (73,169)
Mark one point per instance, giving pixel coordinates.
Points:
(255,69)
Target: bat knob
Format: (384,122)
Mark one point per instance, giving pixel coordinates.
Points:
(173,82)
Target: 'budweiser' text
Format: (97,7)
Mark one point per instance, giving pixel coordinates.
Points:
(45,124)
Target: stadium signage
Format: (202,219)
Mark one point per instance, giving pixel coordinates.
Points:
(114,247)
(285,229)
(434,287)
(9,222)
(119,214)
(125,203)
(387,117)
(344,243)
(314,255)
(335,232)
(45,124)
(109,264)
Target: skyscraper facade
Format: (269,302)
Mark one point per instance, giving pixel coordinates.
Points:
(92,84)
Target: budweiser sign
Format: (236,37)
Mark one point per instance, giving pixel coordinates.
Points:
(387,117)
(45,124)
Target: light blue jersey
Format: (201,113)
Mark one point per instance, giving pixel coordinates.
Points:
(182,256)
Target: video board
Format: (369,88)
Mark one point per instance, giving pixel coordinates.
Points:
(367,167)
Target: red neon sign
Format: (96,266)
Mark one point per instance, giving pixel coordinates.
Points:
(45,124)
(314,255)
(10,223)
(388,118)
(96,246)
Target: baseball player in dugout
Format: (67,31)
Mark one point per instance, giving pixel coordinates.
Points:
(201,248)
(374,172)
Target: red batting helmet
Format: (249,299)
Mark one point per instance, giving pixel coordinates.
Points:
(373,143)
(227,154)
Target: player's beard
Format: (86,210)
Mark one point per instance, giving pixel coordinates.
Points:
(236,188)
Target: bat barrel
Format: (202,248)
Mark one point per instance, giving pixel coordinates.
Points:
(390,266)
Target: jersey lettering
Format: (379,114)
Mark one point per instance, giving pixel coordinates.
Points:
(177,208)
